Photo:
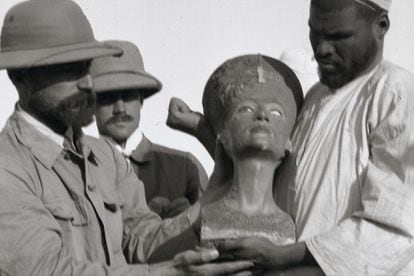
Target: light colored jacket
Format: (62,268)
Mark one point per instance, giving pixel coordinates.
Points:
(65,213)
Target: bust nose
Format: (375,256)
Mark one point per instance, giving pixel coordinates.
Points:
(261,114)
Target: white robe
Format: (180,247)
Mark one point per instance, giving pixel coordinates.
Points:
(349,182)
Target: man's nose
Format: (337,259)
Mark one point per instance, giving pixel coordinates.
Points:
(324,48)
(85,83)
(119,106)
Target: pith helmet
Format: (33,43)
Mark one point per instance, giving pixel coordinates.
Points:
(124,72)
(46,32)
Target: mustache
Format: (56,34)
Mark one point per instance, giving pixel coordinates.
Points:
(80,99)
(119,119)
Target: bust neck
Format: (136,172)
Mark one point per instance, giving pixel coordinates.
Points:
(251,191)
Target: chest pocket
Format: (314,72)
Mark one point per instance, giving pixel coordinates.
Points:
(59,209)
(73,211)
(64,215)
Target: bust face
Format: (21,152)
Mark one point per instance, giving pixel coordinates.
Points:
(260,122)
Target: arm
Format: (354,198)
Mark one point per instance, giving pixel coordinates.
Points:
(378,238)
(181,117)
(143,230)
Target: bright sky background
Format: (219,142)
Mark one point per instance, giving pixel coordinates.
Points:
(183,41)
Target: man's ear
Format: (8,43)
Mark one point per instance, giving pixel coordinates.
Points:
(381,25)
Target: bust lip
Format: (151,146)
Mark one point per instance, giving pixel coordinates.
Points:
(260,128)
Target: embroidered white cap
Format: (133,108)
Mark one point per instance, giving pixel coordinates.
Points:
(384,4)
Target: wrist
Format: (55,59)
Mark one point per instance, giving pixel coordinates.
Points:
(199,125)
(290,255)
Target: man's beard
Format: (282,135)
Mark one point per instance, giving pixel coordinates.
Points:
(343,75)
(74,111)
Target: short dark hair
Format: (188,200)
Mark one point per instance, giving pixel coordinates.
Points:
(368,11)
(16,75)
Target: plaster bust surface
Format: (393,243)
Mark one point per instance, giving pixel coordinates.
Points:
(251,102)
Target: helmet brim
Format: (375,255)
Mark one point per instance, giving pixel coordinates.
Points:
(56,55)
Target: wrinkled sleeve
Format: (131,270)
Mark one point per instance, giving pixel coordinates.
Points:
(378,239)
(196,179)
(144,231)
(31,238)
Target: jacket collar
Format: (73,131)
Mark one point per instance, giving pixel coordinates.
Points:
(43,147)
(143,152)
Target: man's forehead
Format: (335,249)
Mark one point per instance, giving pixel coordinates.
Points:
(120,93)
(333,20)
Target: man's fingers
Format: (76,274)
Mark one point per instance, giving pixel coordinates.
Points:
(191,257)
(220,268)
(243,273)
(230,244)
(236,248)
(177,104)
(197,263)
(181,202)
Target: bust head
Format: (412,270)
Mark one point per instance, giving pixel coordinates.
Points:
(251,102)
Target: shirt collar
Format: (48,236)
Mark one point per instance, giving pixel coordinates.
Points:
(39,126)
(133,141)
(131,144)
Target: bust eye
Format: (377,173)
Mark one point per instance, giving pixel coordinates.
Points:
(276,113)
(246,109)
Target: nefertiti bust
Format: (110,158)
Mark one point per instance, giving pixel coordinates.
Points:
(251,102)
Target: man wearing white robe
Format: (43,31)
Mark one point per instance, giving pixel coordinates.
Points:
(349,180)
(351,177)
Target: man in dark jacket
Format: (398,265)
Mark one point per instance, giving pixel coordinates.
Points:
(173,179)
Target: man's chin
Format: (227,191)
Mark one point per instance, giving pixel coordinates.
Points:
(333,81)
(118,134)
